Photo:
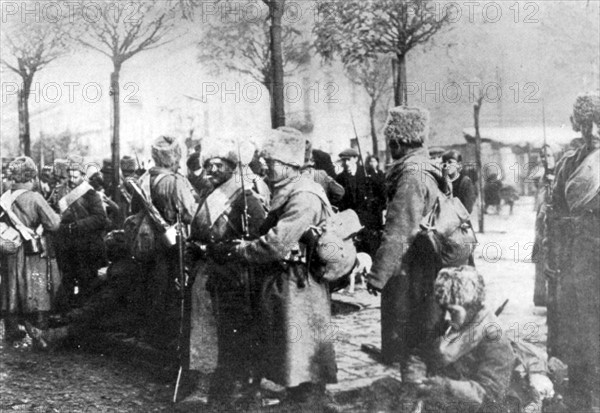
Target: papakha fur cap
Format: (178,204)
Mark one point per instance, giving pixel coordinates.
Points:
(286,145)
(76,163)
(166,151)
(22,169)
(407,125)
(459,286)
(225,149)
(586,111)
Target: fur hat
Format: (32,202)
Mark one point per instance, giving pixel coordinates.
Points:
(224,149)
(75,163)
(22,169)
(586,111)
(407,126)
(286,145)
(107,167)
(459,286)
(166,152)
(60,168)
(128,164)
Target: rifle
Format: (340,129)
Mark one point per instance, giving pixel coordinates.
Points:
(245,272)
(182,286)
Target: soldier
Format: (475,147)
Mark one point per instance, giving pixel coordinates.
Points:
(26,286)
(113,306)
(198,176)
(80,250)
(171,193)
(573,228)
(465,369)
(402,274)
(297,353)
(232,287)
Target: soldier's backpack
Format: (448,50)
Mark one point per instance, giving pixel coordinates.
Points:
(448,230)
(142,230)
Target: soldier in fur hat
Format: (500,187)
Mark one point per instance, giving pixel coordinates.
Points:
(28,277)
(233,287)
(573,228)
(172,194)
(80,250)
(403,273)
(294,301)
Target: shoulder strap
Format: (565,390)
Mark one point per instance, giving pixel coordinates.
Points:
(6,201)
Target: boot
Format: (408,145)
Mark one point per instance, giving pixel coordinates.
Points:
(11,329)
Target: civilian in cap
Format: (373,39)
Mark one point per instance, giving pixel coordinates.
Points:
(80,250)
(332,188)
(403,274)
(462,186)
(466,367)
(172,194)
(233,285)
(23,277)
(573,239)
(291,297)
(364,196)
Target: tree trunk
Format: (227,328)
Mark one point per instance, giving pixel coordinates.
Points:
(476,110)
(23,107)
(400,89)
(278,109)
(372,108)
(116,144)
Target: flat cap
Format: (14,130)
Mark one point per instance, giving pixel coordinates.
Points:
(346,153)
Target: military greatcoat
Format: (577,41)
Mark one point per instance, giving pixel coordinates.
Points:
(404,272)
(232,286)
(297,333)
(29,282)
(574,229)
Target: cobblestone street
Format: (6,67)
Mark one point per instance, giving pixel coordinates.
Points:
(77,381)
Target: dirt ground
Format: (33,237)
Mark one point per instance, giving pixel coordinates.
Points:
(73,380)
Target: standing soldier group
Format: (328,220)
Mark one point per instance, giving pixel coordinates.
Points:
(247,250)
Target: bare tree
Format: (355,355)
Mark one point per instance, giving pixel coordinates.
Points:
(374,75)
(245,46)
(27,48)
(121,31)
(356,30)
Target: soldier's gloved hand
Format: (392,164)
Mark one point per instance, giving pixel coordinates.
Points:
(193,251)
(221,253)
(371,289)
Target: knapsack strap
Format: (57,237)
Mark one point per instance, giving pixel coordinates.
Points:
(6,201)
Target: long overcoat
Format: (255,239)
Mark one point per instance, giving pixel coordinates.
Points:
(29,283)
(226,293)
(574,308)
(403,271)
(296,331)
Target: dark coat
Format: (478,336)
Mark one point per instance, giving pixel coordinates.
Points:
(364,195)
(403,271)
(172,193)
(85,245)
(298,346)
(464,190)
(574,237)
(24,278)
